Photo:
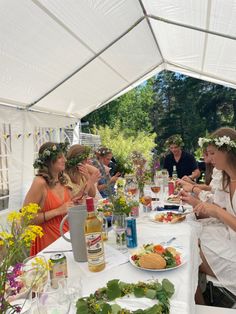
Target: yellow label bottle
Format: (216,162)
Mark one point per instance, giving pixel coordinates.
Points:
(93,239)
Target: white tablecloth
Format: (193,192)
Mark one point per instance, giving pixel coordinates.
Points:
(185,278)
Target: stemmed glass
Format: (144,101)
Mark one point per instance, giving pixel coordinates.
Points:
(156,187)
(119,226)
(132,187)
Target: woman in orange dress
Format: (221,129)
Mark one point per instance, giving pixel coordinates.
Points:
(49,192)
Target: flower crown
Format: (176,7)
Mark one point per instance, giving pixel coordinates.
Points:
(136,155)
(175,139)
(74,161)
(103,151)
(226,141)
(50,153)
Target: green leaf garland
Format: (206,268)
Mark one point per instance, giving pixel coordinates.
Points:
(98,303)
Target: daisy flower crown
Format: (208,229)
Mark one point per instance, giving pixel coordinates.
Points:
(223,141)
(74,161)
(50,153)
(103,151)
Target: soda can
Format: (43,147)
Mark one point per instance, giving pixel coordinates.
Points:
(131,232)
(171,187)
(58,268)
(135,211)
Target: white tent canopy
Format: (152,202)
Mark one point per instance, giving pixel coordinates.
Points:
(72,56)
(62,59)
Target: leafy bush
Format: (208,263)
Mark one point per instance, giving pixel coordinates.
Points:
(122,145)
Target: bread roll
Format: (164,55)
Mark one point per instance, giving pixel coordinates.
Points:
(152,261)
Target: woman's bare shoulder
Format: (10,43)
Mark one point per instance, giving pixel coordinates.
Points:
(40,182)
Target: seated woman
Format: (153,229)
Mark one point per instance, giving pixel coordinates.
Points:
(106,183)
(49,192)
(81,177)
(218,241)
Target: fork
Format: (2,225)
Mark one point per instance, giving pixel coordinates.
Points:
(168,242)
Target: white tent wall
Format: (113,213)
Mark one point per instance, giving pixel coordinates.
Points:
(22,150)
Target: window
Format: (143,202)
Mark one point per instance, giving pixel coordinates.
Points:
(5,150)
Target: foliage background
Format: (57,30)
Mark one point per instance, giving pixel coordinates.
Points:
(167,104)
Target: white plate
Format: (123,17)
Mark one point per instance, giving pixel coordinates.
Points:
(183,261)
(155,213)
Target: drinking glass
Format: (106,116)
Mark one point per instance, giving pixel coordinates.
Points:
(35,272)
(104,222)
(23,303)
(156,187)
(52,299)
(72,288)
(119,226)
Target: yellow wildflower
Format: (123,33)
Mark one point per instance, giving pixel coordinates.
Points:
(6,236)
(30,209)
(14,216)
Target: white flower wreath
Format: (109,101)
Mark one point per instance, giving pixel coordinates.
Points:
(217,141)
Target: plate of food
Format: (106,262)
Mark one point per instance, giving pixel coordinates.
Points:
(155,257)
(167,217)
(174,199)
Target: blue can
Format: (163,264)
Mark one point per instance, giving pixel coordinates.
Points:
(131,232)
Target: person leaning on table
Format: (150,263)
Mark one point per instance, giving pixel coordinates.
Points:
(185,163)
(218,240)
(49,192)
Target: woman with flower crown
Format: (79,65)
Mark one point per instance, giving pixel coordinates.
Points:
(106,183)
(49,192)
(81,177)
(218,240)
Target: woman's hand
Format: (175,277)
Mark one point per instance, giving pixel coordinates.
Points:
(188,198)
(187,186)
(84,171)
(63,209)
(115,177)
(95,176)
(208,209)
(187,179)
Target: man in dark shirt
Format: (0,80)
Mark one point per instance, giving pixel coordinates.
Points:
(185,163)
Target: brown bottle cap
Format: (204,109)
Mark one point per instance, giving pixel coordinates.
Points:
(89,204)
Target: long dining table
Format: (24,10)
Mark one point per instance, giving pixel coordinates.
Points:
(118,266)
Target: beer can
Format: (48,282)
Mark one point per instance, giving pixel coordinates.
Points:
(58,268)
(171,187)
(131,232)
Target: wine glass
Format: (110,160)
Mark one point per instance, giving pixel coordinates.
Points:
(156,187)
(119,226)
(132,187)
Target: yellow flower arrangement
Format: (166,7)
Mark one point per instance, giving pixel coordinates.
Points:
(14,241)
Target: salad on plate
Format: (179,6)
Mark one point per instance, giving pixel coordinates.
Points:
(156,257)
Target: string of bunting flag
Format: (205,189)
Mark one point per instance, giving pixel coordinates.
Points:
(49,131)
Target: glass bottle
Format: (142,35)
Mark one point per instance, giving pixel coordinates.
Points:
(93,239)
(174,173)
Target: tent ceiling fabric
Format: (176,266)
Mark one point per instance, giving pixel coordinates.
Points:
(71,57)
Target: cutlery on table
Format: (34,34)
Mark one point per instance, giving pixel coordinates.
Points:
(57,251)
